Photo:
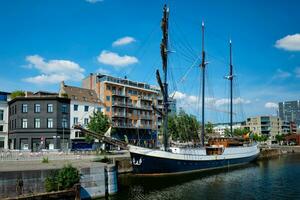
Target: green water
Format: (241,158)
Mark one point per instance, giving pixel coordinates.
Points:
(277,178)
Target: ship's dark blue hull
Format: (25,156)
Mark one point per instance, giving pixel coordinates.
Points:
(143,164)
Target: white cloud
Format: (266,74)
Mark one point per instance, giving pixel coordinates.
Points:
(289,42)
(123,41)
(280,74)
(53,71)
(209,101)
(93,1)
(271,105)
(297,72)
(114,59)
(103,71)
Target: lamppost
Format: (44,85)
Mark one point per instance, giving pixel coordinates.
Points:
(63,126)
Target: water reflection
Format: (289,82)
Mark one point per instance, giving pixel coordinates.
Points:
(269,179)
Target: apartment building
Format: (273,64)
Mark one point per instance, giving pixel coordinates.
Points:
(290,111)
(267,125)
(39,121)
(128,103)
(4,98)
(83,103)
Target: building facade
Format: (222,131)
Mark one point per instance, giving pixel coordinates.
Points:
(128,104)
(290,111)
(4,98)
(39,121)
(84,102)
(267,125)
(220,128)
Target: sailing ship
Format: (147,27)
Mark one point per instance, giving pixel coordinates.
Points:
(219,153)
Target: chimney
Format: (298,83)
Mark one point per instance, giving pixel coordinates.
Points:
(91,80)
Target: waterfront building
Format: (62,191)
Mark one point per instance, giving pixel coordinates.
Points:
(220,128)
(128,104)
(290,111)
(4,98)
(83,103)
(39,121)
(267,125)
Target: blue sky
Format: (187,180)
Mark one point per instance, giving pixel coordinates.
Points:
(44,42)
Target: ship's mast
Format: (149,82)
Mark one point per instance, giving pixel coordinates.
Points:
(231,83)
(203,65)
(164,56)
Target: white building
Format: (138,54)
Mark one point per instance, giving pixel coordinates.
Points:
(83,103)
(221,127)
(4,98)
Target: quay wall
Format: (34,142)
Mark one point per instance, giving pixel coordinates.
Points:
(97,180)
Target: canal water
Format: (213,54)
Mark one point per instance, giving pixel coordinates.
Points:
(276,178)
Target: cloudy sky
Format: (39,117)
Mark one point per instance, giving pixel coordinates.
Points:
(47,41)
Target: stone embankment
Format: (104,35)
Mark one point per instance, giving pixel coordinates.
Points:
(97,179)
(276,150)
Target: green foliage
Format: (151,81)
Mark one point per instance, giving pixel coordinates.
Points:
(183,127)
(209,128)
(99,123)
(238,132)
(260,138)
(17,93)
(64,95)
(45,160)
(105,160)
(65,178)
(279,138)
(51,182)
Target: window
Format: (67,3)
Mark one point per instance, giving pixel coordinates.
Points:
(86,121)
(50,108)
(24,123)
(16,109)
(1,115)
(64,108)
(75,107)
(24,108)
(108,87)
(15,123)
(107,98)
(86,108)
(49,123)
(37,108)
(64,123)
(107,109)
(37,123)
(1,127)
(75,120)
(99,109)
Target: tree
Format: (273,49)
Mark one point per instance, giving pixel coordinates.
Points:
(99,123)
(183,127)
(209,128)
(279,138)
(17,93)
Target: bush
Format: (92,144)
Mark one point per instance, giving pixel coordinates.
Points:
(45,160)
(65,178)
(51,182)
(105,160)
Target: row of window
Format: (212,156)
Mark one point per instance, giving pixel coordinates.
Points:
(75,108)
(37,108)
(75,120)
(37,123)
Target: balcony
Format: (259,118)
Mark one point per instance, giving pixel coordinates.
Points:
(148,117)
(119,115)
(118,104)
(119,94)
